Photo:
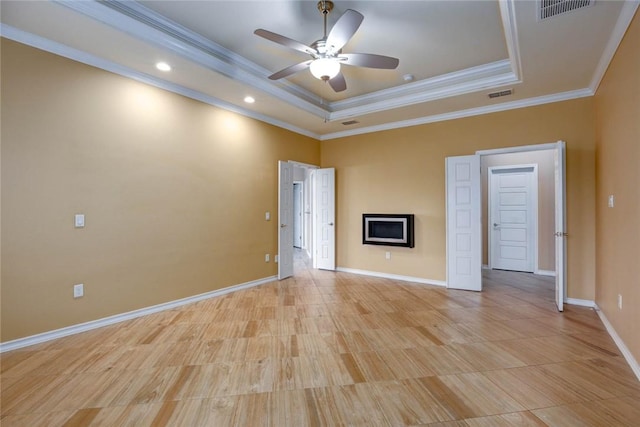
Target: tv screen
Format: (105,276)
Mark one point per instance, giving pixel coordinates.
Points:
(388,229)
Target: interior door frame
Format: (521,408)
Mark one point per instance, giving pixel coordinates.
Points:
(533,198)
(560,209)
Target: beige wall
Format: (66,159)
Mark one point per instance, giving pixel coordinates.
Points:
(174,192)
(544,159)
(402,170)
(617,104)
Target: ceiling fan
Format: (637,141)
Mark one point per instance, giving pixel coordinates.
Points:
(326,53)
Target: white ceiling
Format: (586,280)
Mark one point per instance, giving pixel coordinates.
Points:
(457,51)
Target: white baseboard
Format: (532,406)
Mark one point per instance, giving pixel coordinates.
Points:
(633,363)
(545,273)
(392,276)
(581,302)
(105,321)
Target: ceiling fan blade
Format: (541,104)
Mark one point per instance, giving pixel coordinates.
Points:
(369,60)
(290,70)
(285,41)
(338,83)
(344,29)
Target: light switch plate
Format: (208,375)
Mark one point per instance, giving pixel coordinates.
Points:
(78,290)
(79,220)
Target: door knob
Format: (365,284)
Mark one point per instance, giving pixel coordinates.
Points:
(495,225)
(283,225)
(331,223)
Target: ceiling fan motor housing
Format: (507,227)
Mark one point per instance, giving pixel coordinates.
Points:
(325,6)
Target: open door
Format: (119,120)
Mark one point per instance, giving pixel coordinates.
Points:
(324,224)
(464,243)
(285,219)
(561,224)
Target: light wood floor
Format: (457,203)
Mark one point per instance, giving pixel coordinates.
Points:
(325,349)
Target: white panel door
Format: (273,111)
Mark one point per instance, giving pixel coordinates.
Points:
(561,225)
(512,217)
(464,244)
(325,240)
(285,220)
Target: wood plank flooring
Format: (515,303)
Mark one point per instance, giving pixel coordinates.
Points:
(334,349)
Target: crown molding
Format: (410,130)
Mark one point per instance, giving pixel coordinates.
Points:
(144,24)
(437,82)
(94,61)
(447,85)
(529,102)
(510,29)
(486,76)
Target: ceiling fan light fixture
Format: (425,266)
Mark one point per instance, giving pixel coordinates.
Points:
(324,68)
(326,53)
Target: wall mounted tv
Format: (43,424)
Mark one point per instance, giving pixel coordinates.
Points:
(388,229)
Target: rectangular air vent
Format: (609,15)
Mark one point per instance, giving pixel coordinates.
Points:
(350,122)
(501,93)
(550,8)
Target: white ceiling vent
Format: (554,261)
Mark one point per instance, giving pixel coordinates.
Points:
(550,8)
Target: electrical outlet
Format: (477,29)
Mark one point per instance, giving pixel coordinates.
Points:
(612,201)
(275,259)
(78,290)
(619,301)
(266,258)
(387,255)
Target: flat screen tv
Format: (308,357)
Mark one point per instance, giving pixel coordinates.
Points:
(388,229)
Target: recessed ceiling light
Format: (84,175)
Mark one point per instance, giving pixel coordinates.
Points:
(163,66)
(249,99)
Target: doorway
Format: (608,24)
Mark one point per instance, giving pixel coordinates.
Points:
(306,216)
(464,235)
